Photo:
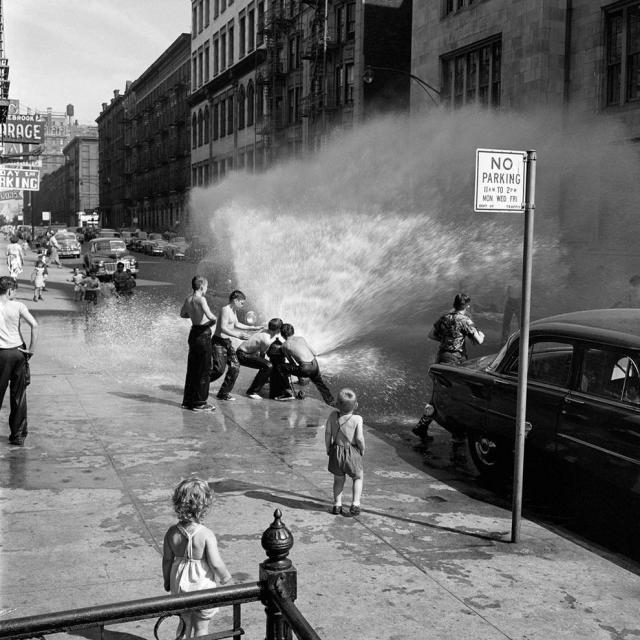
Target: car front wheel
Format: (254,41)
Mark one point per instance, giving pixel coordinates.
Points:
(490,455)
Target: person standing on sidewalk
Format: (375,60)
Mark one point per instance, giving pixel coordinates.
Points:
(14,358)
(252,353)
(196,384)
(224,351)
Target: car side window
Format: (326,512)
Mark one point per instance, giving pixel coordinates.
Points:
(549,362)
(611,374)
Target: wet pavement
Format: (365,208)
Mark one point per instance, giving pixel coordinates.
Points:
(86,503)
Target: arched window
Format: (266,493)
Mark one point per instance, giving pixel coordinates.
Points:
(207,120)
(194,131)
(250,103)
(241,107)
(200,127)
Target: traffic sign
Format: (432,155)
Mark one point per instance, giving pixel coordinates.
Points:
(500,180)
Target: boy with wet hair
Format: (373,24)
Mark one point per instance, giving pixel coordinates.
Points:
(302,363)
(252,353)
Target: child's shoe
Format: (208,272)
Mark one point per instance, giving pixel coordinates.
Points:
(354,509)
(337,510)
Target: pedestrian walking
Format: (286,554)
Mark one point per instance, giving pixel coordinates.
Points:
(344,441)
(14,358)
(451,330)
(191,560)
(15,258)
(197,381)
(228,330)
(252,353)
(38,277)
(302,362)
(54,247)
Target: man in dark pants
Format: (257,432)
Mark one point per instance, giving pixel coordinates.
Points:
(302,363)
(451,330)
(224,351)
(14,357)
(196,384)
(251,353)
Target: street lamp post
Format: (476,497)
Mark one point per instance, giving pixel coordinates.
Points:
(368,77)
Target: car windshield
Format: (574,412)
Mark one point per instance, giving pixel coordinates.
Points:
(110,245)
(65,236)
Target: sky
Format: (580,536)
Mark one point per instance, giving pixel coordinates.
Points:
(77,52)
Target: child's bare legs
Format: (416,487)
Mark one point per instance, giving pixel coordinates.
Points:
(338,486)
(357,489)
(199,627)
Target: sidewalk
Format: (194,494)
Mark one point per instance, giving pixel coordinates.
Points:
(86,503)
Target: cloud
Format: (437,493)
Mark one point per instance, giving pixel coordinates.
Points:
(79,51)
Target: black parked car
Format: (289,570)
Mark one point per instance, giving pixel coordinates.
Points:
(583,399)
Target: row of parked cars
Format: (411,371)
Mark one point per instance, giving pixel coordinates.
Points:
(155,244)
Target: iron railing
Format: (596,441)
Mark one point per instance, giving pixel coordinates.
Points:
(276,589)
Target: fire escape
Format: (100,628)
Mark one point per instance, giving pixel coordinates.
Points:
(271,75)
(4,73)
(318,42)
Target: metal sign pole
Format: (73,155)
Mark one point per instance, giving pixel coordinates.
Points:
(523,370)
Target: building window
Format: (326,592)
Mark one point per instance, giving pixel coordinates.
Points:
(223,119)
(200,128)
(241,107)
(207,12)
(230,115)
(251,30)
(447,7)
(194,131)
(250,104)
(348,70)
(259,38)
(351,21)
(206,63)
(223,5)
(200,16)
(200,67)
(231,43)
(206,125)
(341,27)
(242,25)
(473,76)
(216,115)
(223,51)
(216,8)
(623,54)
(194,72)
(339,84)
(194,21)
(216,57)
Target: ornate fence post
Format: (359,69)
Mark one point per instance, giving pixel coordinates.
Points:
(279,574)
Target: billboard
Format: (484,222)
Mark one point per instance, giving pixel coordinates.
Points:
(21,179)
(23,129)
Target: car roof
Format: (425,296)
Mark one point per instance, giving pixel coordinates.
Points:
(614,326)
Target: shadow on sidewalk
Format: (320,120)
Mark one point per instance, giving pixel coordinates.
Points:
(294,500)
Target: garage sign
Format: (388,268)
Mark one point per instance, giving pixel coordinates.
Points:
(500,180)
(23,129)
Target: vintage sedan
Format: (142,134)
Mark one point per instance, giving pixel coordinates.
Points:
(583,398)
(104,253)
(176,249)
(69,245)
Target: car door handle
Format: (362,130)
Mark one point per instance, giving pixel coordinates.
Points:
(573,401)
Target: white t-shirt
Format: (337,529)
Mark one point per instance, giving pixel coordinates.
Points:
(10,314)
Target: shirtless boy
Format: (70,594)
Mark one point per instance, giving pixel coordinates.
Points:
(196,384)
(227,337)
(302,362)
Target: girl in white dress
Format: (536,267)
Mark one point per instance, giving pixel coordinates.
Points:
(191,560)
